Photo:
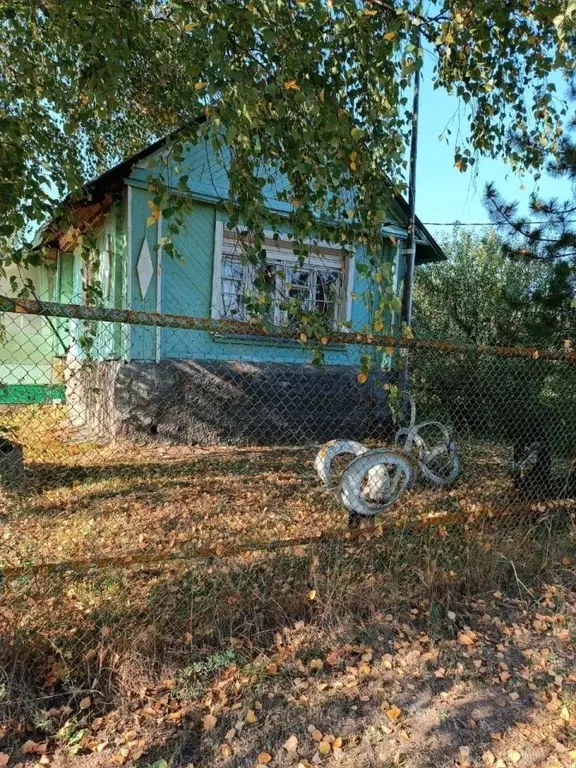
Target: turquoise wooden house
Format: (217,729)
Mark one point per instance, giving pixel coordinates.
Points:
(202,386)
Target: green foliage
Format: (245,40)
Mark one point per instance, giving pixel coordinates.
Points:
(193,679)
(481,296)
(547,233)
(311,91)
(314,89)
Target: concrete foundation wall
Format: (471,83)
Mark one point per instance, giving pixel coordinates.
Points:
(215,402)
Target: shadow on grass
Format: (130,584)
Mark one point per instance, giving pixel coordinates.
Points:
(385,617)
(47,476)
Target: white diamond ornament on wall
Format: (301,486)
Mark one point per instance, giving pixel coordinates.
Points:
(144,268)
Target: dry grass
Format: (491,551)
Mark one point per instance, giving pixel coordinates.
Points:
(100,502)
(323,636)
(118,664)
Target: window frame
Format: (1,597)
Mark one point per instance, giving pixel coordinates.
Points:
(279,253)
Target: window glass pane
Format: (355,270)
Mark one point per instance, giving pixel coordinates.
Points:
(315,287)
(105,271)
(299,288)
(327,285)
(232,269)
(232,291)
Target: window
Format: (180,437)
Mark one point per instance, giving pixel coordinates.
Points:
(320,284)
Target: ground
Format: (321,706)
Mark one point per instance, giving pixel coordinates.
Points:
(93,502)
(145,618)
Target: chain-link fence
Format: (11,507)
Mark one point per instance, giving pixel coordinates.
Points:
(156,504)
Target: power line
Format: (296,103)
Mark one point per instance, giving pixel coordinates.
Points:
(486,223)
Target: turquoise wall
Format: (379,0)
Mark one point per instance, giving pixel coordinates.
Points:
(142,339)
(186,289)
(186,284)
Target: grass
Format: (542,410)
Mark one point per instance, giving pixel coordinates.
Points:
(88,503)
(220,658)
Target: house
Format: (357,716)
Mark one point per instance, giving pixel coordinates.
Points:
(204,386)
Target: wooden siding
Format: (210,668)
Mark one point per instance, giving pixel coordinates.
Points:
(186,288)
(28,344)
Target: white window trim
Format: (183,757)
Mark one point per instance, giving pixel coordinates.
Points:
(216,307)
(281,252)
(129,265)
(159,259)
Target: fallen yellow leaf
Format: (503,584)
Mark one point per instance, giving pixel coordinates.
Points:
(28,747)
(299,551)
(209,722)
(251,716)
(264,758)
(393,713)
(291,744)
(324,748)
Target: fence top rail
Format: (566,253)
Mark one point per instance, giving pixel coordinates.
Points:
(260,328)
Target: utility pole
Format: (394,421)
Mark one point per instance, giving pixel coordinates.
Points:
(410,249)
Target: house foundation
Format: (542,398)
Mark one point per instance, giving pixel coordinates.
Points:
(217,402)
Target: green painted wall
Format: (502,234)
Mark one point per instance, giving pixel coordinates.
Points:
(27,343)
(110,339)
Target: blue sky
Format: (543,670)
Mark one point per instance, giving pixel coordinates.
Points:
(444,194)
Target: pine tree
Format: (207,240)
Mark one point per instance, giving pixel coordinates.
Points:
(547,232)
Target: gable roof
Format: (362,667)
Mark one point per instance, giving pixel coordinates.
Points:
(97,197)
